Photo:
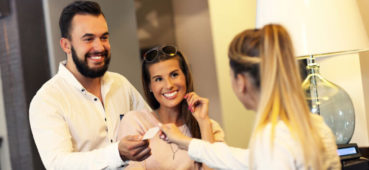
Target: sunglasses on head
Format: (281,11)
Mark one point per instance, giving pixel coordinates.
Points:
(166,50)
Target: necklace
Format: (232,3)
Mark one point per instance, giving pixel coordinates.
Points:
(174,151)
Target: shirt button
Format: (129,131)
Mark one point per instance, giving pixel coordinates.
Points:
(82,90)
(95,99)
(105,119)
(111,140)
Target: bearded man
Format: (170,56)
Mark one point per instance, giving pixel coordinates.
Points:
(74,116)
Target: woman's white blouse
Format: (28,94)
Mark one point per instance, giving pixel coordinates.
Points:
(286,153)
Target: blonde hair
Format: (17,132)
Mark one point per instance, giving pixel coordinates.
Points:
(267,55)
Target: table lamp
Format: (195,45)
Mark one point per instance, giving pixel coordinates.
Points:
(321,28)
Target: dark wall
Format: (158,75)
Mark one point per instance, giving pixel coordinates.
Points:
(25,67)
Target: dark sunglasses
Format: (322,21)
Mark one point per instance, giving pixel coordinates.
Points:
(166,50)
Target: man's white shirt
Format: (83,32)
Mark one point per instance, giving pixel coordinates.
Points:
(71,127)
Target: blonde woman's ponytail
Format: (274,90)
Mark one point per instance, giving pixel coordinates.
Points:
(281,97)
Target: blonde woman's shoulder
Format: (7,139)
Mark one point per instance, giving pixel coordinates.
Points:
(331,158)
(321,126)
(278,150)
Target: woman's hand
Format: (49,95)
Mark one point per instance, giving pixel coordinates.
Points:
(198,106)
(171,134)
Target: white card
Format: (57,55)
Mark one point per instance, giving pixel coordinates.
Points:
(151,133)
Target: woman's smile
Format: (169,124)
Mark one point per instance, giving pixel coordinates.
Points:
(167,83)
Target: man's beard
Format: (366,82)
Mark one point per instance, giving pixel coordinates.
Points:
(82,65)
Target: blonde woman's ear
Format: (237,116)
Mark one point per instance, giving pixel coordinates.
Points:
(241,83)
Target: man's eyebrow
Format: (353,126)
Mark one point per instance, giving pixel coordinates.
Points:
(87,35)
(92,35)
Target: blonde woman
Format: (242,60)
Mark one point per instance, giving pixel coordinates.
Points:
(265,78)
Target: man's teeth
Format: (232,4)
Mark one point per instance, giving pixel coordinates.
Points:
(170,94)
(95,57)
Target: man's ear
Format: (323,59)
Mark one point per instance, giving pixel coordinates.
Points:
(65,44)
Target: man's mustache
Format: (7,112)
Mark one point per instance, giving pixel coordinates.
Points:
(103,53)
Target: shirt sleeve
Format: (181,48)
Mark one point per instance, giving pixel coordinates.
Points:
(137,102)
(55,144)
(218,155)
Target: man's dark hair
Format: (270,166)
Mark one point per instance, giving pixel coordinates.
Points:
(77,7)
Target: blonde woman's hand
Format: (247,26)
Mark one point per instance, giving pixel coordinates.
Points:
(171,134)
(199,106)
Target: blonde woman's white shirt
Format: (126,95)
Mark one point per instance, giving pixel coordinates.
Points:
(286,153)
(71,127)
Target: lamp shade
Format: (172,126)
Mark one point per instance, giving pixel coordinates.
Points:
(316,26)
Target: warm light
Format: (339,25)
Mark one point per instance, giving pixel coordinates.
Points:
(321,27)
(316,26)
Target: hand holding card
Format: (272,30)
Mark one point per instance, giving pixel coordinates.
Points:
(151,133)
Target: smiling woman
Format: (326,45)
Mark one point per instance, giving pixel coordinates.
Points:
(168,88)
(168,83)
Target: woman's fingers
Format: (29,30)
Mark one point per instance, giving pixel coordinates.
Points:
(163,136)
(192,100)
(171,134)
(165,131)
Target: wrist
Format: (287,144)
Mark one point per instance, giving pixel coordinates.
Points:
(183,142)
(206,130)
(204,122)
(124,158)
(121,152)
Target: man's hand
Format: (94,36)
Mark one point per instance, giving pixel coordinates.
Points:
(133,148)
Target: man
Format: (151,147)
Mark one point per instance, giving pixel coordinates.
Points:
(74,117)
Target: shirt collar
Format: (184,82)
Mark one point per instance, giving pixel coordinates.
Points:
(106,82)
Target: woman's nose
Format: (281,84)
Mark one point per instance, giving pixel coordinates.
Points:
(169,84)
